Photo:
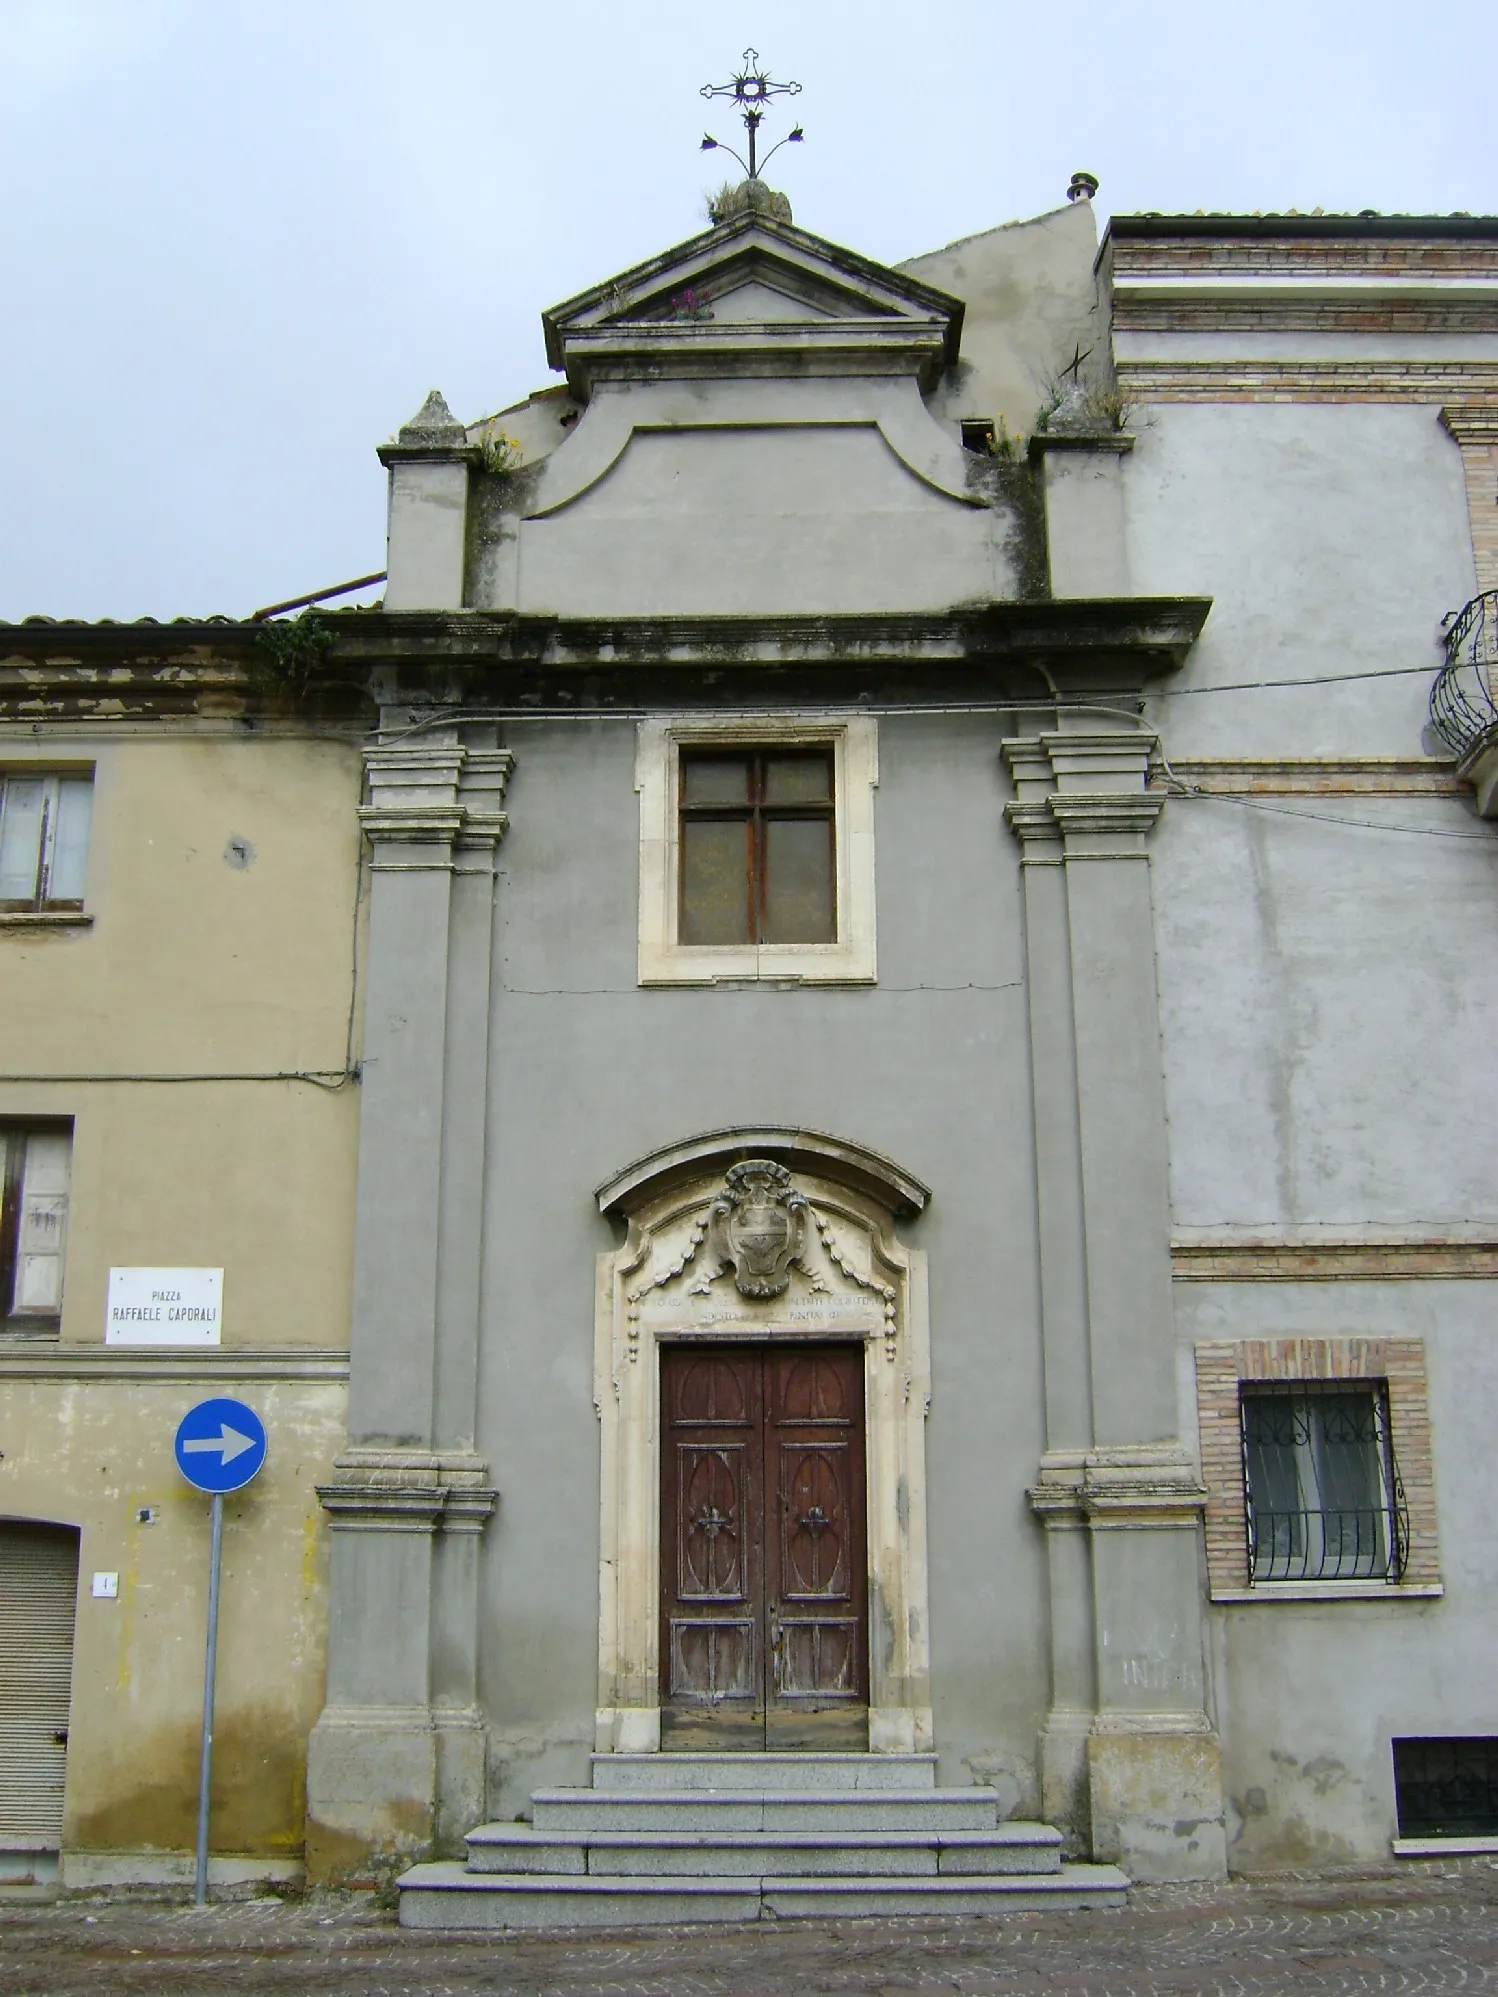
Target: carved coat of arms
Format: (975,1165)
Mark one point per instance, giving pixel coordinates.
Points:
(758,1224)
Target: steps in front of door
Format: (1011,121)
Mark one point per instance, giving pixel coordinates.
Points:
(448,1896)
(636,1772)
(661,1839)
(1032,1850)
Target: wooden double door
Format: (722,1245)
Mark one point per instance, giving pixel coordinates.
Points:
(764,1568)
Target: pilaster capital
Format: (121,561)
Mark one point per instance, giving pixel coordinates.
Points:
(408,1490)
(1081,794)
(431,795)
(1039,835)
(1106,825)
(1140,1485)
(1099,759)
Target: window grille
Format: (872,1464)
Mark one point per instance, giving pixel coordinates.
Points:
(1323,1493)
(1447,1788)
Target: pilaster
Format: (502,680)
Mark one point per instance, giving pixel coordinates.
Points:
(1082,476)
(397,1759)
(1127,1751)
(427,537)
(1474,426)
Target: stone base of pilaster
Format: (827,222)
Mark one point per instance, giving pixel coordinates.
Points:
(1156,1801)
(1064,1798)
(462,1801)
(372,1789)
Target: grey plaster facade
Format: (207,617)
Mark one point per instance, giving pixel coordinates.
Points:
(1121,1014)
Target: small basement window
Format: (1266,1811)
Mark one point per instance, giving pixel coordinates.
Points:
(1447,1788)
(44,822)
(978,434)
(1323,1495)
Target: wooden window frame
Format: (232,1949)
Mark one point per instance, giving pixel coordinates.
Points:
(41,904)
(664,959)
(1225,1367)
(756,814)
(14,1132)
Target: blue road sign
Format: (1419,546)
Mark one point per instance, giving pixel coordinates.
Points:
(220,1445)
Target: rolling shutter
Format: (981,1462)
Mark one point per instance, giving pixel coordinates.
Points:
(38,1598)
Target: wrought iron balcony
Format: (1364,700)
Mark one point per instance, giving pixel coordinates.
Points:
(1462,705)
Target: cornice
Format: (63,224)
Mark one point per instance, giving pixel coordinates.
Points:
(663,351)
(35,1360)
(1472,422)
(380,1489)
(1116,443)
(1000,650)
(415,824)
(1106,812)
(1148,1485)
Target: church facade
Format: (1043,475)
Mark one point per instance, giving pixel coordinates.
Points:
(922,1197)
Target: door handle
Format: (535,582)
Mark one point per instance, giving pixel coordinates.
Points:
(60,1735)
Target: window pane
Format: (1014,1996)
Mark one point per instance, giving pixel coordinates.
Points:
(21,838)
(1274,1431)
(798,780)
(798,881)
(715,881)
(1349,1475)
(69,856)
(1316,1485)
(44,1216)
(714,780)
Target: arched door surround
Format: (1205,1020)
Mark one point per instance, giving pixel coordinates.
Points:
(758,1236)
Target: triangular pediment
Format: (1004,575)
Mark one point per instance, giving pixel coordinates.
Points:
(696,307)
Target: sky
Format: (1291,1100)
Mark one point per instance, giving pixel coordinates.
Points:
(239,242)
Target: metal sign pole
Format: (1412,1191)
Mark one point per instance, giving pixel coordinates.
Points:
(235,1435)
(205,1760)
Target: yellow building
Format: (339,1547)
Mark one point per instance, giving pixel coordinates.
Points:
(179,882)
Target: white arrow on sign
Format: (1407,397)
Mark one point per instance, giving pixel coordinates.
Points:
(226,1445)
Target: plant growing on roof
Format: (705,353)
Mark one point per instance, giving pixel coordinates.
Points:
(501,454)
(290,650)
(688,304)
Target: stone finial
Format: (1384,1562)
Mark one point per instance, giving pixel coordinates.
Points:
(1083,187)
(750,197)
(433,423)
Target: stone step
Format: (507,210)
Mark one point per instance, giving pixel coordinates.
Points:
(971,1809)
(1014,1848)
(446,1895)
(636,1772)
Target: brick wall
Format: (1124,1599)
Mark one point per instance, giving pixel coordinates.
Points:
(1220,1367)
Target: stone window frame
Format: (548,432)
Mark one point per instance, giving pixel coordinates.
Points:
(1224,1367)
(663,959)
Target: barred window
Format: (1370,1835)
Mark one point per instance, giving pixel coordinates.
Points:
(1324,1499)
(1447,1788)
(44,820)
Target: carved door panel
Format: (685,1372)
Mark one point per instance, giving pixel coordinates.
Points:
(816,1566)
(763,1567)
(712,1552)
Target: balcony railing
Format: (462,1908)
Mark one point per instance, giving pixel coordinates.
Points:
(1462,705)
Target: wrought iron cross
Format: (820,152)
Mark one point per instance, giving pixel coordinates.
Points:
(751,90)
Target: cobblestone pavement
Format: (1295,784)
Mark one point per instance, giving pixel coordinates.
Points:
(1423,1927)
